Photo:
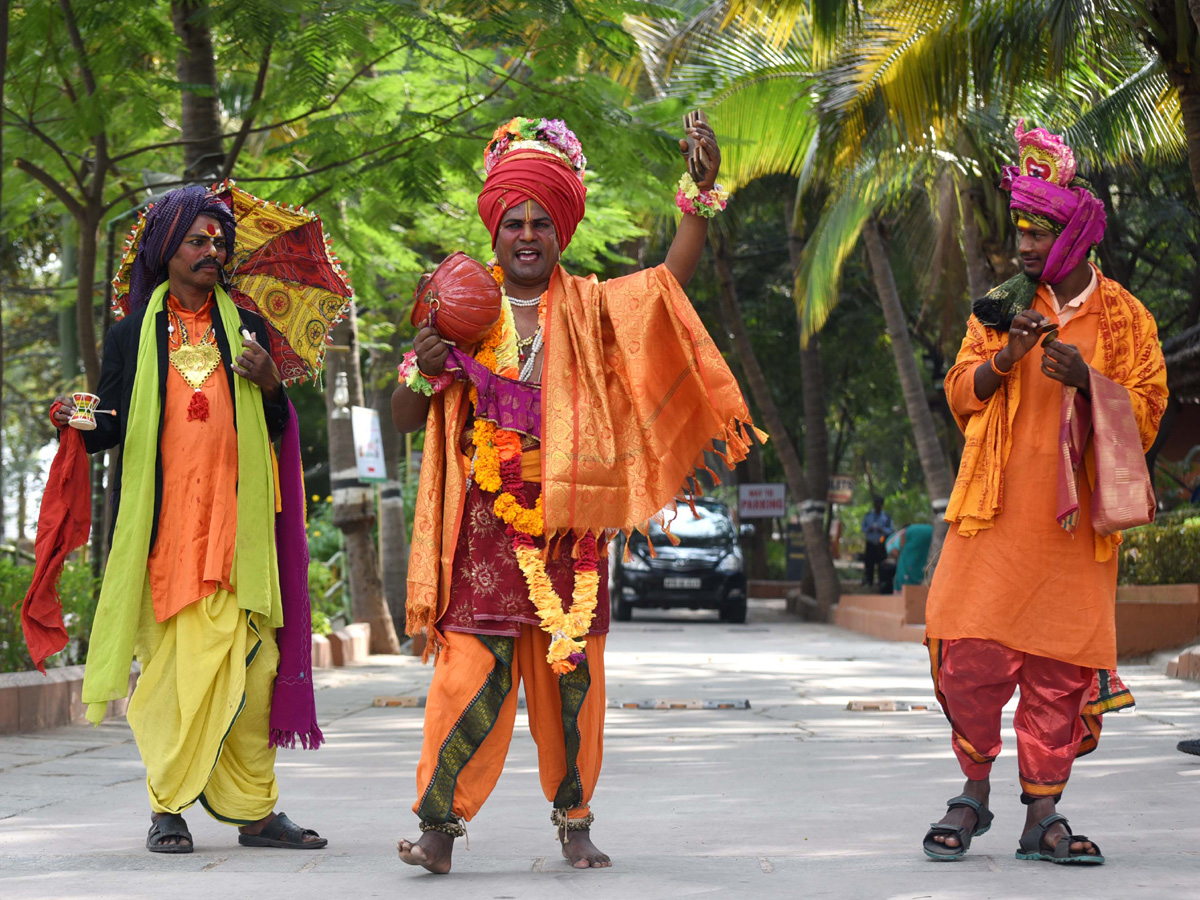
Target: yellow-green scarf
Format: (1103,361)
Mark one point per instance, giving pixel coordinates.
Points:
(255,575)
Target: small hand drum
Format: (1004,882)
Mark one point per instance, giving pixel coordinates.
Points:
(84,417)
(460,299)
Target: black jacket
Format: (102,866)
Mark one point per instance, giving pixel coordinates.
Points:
(116,392)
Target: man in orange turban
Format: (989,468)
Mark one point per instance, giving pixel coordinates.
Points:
(608,393)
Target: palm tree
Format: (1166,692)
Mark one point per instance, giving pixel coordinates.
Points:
(913,98)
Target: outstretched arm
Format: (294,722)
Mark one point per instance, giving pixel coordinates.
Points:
(688,246)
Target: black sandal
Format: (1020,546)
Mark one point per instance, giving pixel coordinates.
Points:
(283,833)
(168,825)
(1031,845)
(939,851)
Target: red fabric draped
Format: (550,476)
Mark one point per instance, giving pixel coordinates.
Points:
(63,524)
(545,179)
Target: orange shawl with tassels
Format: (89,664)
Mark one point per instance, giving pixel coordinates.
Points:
(633,391)
(1127,351)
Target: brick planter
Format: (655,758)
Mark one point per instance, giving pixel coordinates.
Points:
(1156,617)
(31,701)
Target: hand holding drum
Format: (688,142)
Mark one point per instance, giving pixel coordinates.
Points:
(459,303)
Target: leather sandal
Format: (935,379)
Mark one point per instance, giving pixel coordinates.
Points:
(281,832)
(168,825)
(1031,845)
(938,851)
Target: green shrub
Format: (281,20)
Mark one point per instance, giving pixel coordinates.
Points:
(78,591)
(1163,553)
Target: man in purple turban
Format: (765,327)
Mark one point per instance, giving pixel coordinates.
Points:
(195,586)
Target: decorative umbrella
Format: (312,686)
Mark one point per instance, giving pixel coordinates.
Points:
(283,268)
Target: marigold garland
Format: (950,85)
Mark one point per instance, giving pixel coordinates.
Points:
(497,469)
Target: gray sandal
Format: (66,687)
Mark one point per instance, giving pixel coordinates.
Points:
(939,851)
(168,825)
(1031,845)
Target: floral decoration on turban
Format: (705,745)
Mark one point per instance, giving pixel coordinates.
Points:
(539,160)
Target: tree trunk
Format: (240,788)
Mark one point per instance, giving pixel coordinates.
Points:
(980,277)
(757,566)
(354,502)
(933,459)
(812,522)
(200,123)
(3,74)
(1189,104)
(85,301)
(393,536)
(816,438)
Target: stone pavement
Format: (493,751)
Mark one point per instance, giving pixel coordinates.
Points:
(794,797)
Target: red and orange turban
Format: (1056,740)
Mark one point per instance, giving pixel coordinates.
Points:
(531,159)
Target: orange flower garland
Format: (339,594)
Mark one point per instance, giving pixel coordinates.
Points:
(497,469)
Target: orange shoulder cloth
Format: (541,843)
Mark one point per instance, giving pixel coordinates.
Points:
(633,392)
(1127,352)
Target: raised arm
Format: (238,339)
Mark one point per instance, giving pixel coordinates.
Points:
(688,245)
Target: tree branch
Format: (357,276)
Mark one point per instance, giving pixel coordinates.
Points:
(31,127)
(390,144)
(74,207)
(85,71)
(311,111)
(244,132)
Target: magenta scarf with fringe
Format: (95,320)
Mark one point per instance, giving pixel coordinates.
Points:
(293,706)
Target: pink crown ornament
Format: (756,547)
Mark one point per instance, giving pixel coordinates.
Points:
(1044,155)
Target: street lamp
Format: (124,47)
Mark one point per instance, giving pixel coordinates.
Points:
(341,397)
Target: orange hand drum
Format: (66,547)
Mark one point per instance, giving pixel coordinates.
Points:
(460,299)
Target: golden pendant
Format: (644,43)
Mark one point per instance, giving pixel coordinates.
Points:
(196,362)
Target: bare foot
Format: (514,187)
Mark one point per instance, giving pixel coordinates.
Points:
(581,853)
(1037,811)
(432,852)
(964,815)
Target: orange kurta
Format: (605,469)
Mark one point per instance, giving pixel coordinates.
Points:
(197,524)
(1021,579)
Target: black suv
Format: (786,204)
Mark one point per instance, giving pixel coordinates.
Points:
(704,572)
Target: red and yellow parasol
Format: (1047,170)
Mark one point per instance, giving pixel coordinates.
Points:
(283,268)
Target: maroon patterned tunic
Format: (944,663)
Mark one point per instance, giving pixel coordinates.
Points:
(488,591)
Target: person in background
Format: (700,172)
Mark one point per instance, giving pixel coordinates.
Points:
(909,548)
(876,527)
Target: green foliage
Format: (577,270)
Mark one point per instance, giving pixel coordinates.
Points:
(77,590)
(1162,553)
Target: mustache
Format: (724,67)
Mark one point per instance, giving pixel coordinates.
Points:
(206,264)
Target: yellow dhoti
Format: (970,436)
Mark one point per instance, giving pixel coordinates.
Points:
(201,710)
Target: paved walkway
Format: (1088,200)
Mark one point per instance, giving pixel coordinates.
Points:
(795,797)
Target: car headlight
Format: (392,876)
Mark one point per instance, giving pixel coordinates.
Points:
(636,563)
(730,563)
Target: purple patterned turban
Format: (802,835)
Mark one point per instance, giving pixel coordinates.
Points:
(1044,186)
(166,226)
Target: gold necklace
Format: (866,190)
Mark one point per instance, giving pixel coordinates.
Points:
(195,362)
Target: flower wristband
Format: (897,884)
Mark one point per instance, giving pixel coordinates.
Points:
(695,202)
(417,381)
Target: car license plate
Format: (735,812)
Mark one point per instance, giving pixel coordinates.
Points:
(681,583)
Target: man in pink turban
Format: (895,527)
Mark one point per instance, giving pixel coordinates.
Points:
(1059,387)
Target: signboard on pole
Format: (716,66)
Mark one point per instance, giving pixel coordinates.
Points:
(368,444)
(761,501)
(841,489)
